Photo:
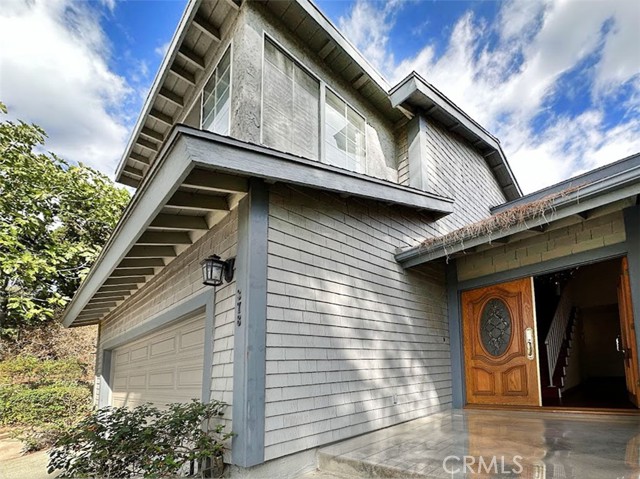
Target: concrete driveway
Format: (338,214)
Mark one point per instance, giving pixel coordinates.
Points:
(14,465)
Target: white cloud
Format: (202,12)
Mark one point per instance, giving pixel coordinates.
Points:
(54,72)
(162,50)
(505,85)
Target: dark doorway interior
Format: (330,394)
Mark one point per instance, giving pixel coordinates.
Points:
(578,323)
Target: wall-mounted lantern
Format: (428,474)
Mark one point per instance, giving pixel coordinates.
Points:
(214,270)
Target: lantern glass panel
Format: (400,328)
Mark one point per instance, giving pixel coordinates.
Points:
(212,269)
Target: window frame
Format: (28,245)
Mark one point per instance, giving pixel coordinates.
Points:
(229,48)
(322,154)
(362,168)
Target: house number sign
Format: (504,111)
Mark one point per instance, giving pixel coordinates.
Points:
(239,307)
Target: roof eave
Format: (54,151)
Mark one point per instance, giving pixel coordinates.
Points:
(609,190)
(188,14)
(187,148)
(414,87)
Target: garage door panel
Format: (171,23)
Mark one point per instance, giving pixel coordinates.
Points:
(139,354)
(163,367)
(189,377)
(191,339)
(163,346)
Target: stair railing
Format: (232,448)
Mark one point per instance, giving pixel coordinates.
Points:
(557,331)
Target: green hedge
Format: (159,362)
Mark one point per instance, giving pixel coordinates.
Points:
(39,399)
(29,369)
(45,405)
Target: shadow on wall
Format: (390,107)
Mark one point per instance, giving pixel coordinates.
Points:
(370,340)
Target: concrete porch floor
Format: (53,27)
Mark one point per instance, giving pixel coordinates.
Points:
(545,445)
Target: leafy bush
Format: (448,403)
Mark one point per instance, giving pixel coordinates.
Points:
(143,441)
(55,403)
(41,398)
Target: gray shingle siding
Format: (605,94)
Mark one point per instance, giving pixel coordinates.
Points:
(456,169)
(347,328)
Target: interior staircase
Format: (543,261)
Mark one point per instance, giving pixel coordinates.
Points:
(553,383)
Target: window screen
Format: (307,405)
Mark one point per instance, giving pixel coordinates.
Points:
(344,134)
(216,99)
(291,105)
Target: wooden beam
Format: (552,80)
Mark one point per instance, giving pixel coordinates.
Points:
(141,252)
(172,97)
(194,201)
(141,263)
(138,157)
(127,180)
(92,315)
(178,222)
(328,48)
(163,238)
(133,272)
(117,288)
(183,74)
(233,4)
(360,81)
(152,134)
(214,181)
(106,304)
(205,27)
(94,312)
(158,115)
(133,171)
(191,57)
(150,145)
(125,280)
(110,296)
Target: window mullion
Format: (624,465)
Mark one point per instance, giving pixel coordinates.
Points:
(322,155)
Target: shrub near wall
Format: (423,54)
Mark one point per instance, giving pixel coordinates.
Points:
(41,398)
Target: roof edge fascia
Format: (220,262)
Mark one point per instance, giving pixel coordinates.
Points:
(189,12)
(621,186)
(414,83)
(88,286)
(598,174)
(161,182)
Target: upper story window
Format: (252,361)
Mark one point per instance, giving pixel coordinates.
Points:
(216,98)
(291,105)
(344,134)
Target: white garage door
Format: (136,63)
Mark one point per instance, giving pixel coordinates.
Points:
(163,367)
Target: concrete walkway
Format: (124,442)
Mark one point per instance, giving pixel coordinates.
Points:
(473,443)
(14,465)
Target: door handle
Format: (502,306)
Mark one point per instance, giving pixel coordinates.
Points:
(528,339)
(626,353)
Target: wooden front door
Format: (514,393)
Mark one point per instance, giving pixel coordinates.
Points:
(627,341)
(501,365)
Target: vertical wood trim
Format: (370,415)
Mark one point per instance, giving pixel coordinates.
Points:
(632,231)
(249,352)
(455,336)
(207,362)
(104,399)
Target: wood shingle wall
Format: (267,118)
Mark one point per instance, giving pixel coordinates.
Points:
(348,331)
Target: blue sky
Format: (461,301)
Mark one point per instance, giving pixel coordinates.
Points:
(557,81)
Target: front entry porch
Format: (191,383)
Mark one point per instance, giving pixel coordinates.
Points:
(482,443)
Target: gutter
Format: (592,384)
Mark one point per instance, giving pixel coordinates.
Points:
(608,190)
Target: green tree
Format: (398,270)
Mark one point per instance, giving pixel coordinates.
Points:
(54,219)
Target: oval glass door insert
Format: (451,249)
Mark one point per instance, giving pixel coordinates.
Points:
(495,327)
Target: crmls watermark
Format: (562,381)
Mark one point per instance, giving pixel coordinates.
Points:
(479,465)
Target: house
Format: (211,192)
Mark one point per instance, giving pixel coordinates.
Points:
(387,266)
